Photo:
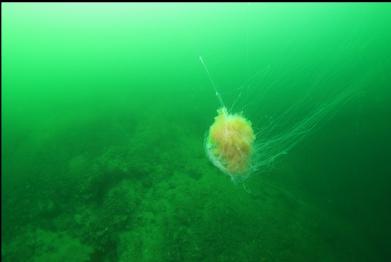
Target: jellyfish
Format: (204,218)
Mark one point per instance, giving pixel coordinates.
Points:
(229,143)
(234,147)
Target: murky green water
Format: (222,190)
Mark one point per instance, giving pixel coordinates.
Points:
(105,108)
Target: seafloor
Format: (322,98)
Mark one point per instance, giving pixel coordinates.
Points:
(132,190)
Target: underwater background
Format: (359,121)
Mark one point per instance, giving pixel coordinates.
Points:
(105,109)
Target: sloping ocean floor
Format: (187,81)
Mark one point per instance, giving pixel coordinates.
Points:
(126,189)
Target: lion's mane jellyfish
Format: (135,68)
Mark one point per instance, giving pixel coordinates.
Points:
(232,145)
(229,144)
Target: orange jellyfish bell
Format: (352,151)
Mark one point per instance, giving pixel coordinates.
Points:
(229,144)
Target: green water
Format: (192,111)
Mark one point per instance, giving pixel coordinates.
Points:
(105,108)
